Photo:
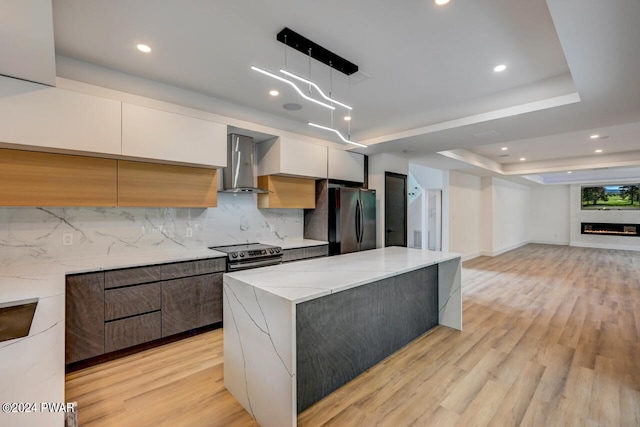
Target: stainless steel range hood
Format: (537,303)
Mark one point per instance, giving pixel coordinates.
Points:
(238,176)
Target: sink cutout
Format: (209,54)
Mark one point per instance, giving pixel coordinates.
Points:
(16,318)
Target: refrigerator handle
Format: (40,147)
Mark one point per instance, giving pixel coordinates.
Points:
(358,218)
(361,221)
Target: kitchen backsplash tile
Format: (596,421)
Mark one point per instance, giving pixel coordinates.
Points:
(28,234)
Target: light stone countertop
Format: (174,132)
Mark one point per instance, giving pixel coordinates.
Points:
(32,368)
(260,310)
(309,279)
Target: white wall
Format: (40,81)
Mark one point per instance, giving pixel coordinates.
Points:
(510,207)
(578,216)
(378,165)
(416,216)
(549,214)
(427,178)
(464,201)
(487,216)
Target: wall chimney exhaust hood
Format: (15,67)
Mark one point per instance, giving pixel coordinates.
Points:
(238,176)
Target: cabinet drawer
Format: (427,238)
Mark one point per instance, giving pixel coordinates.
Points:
(131,300)
(292,254)
(132,331)
(192,268)
(131,276)
(315,251)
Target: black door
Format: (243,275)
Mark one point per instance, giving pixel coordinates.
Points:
(395,209)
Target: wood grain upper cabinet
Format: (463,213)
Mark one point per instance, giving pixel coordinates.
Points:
(345,165)
(291,157)
(148,133)
(287,192)
(40,116)
(150,184)
(43,179)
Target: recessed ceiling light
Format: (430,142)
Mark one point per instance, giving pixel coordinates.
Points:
(598,151)
(569,172)
(347,118)
(499,68)
(594,136)
(274,92)
(143,48)
(522,159)
(504,148)
(441,2)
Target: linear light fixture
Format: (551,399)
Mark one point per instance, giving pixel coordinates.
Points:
(292,84)
(309,82)
(337,133)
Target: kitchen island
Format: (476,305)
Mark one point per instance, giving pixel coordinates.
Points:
(296,332)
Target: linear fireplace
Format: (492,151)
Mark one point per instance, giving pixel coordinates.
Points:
(610,229)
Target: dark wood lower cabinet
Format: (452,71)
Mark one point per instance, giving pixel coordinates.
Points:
(191,303)
(84,317)
(298,254)
(209,300)
(132,331)
(113,310)
(132,300)
(179,304)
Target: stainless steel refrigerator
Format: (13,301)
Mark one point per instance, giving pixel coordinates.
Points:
(352,220)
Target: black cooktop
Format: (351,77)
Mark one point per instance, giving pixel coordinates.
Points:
(245,251)
(243,247)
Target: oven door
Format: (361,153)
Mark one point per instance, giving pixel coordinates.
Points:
(245,265)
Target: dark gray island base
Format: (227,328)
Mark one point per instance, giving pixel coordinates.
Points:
(296,332)
(341,335)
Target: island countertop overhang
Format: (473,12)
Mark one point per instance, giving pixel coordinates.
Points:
(306,280)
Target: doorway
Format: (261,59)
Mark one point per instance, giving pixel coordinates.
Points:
(395,209)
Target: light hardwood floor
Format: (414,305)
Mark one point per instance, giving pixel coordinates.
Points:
(551,338)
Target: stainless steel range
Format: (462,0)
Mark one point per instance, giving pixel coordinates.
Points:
(250,255)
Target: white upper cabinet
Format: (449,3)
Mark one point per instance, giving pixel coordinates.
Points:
(291,157)
(346,166)
(47,117)
(148,133)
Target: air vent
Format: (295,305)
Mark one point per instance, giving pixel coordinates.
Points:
(292,106)
(488,134)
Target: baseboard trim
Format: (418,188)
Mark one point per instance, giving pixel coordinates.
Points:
(503,250)
(467,257)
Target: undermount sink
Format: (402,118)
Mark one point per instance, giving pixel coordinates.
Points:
(16,318)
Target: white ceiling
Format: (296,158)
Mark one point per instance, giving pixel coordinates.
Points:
(425,83)
(26,41)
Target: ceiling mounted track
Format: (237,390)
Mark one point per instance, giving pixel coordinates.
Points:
(317,52)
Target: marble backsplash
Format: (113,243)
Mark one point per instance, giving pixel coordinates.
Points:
(36,234)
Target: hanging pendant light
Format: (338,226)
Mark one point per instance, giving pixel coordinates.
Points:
(315,125)
(293,85)
(292,39)
(315,86)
